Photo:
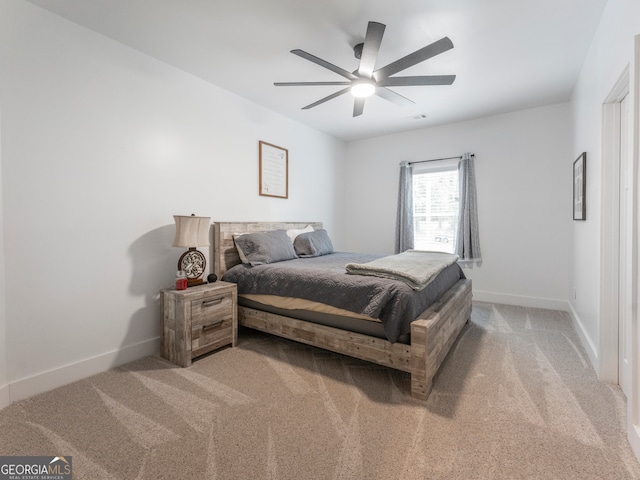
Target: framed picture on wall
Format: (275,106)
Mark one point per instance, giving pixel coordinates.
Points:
(274,171)
(579,187)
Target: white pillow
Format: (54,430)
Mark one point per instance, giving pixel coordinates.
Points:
(293,233)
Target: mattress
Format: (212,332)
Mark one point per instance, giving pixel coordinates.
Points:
(324,280)
(325,315)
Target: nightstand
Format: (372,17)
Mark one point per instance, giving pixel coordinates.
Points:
(198,320)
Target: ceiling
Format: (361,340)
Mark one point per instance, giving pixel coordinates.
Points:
(507,55)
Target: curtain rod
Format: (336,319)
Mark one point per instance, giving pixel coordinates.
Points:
(438,159)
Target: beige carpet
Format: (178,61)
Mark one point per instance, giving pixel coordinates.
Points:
(516,398)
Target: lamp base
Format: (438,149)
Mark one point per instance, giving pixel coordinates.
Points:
(193,263)
(192,282)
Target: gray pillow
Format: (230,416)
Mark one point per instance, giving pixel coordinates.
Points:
(265,247)
(313,244)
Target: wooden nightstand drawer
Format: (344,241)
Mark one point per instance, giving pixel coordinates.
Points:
(210,309)
(198,320)
(211,322)
(210,337)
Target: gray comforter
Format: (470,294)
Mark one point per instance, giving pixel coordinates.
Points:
(324,279)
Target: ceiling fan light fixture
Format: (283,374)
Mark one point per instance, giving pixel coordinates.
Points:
(363,89)
(367,81)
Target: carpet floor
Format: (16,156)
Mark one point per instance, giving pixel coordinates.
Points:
(515,399)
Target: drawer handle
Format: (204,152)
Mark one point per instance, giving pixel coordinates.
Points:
(211,303)
(211,326)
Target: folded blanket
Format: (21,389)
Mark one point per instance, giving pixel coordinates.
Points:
(414,267)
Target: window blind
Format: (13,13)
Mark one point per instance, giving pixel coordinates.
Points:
(435,208)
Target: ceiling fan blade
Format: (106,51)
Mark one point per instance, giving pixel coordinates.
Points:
(358,106)
(417,81)
(394,97)
(370,50)
(324,63)
(301,84)
(414,58)
(322,100)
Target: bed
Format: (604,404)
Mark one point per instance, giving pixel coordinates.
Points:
(420,353)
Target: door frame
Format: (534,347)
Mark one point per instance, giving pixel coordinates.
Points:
(627,287)
(633,400)
(608,351)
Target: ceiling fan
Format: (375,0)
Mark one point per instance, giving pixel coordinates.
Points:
(366,81)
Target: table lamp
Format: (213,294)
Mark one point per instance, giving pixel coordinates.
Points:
(192,232)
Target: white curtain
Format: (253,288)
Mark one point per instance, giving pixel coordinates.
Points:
(468,237)
(404,218)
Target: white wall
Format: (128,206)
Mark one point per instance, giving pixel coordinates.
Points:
(612,50)
(101,145)
(4,387)
(524,198)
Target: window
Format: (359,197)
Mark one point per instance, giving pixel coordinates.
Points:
(435,207)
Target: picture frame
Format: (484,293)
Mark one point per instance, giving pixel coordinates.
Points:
(580,187)
(273,170)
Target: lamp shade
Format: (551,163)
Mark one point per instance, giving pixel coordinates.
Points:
(191,231)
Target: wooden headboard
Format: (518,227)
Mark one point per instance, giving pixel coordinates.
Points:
(225,254)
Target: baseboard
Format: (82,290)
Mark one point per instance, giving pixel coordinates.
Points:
(43,382)
(585,339)
(5,399)
(523,301)
(536,302)
(633,434)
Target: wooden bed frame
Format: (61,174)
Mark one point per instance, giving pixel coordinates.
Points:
(432,334)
